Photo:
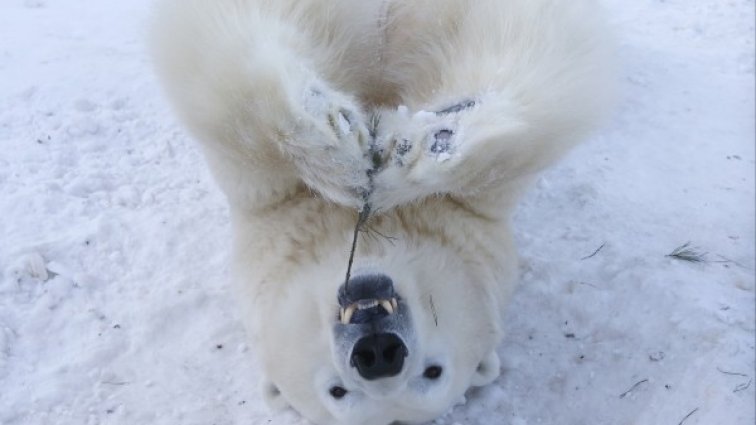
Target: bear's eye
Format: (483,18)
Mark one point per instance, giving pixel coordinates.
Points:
(337,392)
(433,372)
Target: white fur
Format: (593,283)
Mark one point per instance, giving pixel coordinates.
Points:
(280,93)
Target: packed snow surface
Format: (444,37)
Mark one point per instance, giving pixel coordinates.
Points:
(114,241)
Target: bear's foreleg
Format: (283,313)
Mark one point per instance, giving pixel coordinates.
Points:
(464,149)
(248,84)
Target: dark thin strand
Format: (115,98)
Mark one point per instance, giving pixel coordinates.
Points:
(687,416)
(595,252)
(372,231)
(732,373)
(374,155)
(688,253)
(433,310)
(364,214)
(726,260)
(637,384)
(743,387)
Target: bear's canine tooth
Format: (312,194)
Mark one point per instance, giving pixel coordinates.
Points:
(346,317)
(394,304)
(386,304)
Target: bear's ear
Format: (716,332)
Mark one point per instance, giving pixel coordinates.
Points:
(272,396)
(487,370)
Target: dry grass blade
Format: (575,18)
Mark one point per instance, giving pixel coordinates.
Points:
(595,252)
(361,220)
(731,373)
(688,416)
(742,387)
(636,385)
(688,253)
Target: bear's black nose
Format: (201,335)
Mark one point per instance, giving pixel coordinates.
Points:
(379,356)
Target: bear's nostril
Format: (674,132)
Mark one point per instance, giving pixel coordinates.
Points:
(379,356)
(389,354)
(366,358)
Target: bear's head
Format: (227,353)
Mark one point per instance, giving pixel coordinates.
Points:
(404,340)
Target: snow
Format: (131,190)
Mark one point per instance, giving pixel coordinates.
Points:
(114,298)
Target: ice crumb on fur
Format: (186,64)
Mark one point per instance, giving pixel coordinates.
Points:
(443,157)
(426,116)
(314,101)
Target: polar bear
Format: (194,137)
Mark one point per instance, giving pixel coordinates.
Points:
(431,116)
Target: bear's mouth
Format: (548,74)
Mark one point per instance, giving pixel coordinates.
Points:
(372,330)
(367,299)
(368,310)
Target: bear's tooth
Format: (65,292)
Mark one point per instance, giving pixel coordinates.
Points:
(386,304)
(394,304)
(347,317)
(364,305)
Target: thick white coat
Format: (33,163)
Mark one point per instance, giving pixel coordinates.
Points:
(286,98)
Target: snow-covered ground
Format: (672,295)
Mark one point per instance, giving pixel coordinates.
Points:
(114,300)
